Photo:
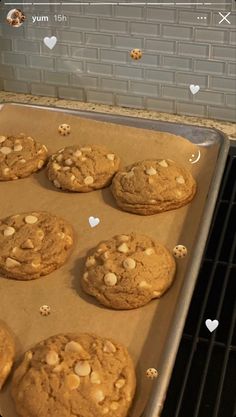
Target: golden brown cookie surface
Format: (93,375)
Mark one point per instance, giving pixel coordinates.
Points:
(74,375)
(33,244)
(20,156)
(153,186)
(82,169)
(128,271)
(7,353)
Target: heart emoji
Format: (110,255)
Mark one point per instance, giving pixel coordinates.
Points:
(50,42)
(211,324)
(93,221)
(194,88)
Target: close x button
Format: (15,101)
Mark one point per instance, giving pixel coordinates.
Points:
(224,18)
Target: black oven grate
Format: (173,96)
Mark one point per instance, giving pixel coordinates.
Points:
(203,382)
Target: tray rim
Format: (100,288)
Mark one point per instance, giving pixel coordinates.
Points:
(157,398)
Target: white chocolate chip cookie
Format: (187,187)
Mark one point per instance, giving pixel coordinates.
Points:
(20,156)
(82,169)
(96,380)
(153,186)
(7,354)
(33,244)
(135,270)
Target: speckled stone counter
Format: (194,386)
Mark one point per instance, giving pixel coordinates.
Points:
(227,127)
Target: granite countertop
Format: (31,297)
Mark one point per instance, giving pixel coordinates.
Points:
(227,127)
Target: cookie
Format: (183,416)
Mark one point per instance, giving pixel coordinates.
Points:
(82,169)
(74,375)
(153,186)
(7,354)
(20,156)
(128,271)
(33,244)
(64,129)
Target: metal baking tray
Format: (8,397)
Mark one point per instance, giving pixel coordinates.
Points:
(204,138)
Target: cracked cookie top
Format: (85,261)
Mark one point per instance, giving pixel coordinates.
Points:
(82,169)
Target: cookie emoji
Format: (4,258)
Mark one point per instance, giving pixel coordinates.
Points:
(74,375)
(153,186)
(82,169)
(33,244)
(136,54)
(7,354)
(128,271)
(64,129)
(20,156)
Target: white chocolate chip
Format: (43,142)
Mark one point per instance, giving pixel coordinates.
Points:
(163,163)
(88,180)
(149,251)
(52,358)
(123,238)
(151,171)
(111,156)
(22,161)
(73,346)
(5,150)
(120,383)
(35,264)
(9,231)
(129,263)
(156,294)
(99,395)
(144,284)
(77,153)
(72,177)
(61,235)
(2,139)
(59,158)
(17,148)
(94,378)
(72,381)
(110,279)
(57,184)
(123,248)
(31,219)
(28,244)
(40,163)
(68,161)
(90,261)
(11,263)
(56,166)
(180,179)
(109,347)
(66,168)
(129,174)
(83,158)
(82,368)
(6,171)
(85,276)
(86,149)
(114,405)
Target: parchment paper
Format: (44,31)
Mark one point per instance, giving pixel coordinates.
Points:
(144,330)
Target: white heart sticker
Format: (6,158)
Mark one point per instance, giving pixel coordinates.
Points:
(194,88)
(211,324)
(93,221)
(50,42)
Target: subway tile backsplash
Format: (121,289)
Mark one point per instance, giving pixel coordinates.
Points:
(91,60)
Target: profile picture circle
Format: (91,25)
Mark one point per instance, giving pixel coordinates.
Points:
(15,18)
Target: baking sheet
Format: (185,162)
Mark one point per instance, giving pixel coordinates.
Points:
(144,331)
